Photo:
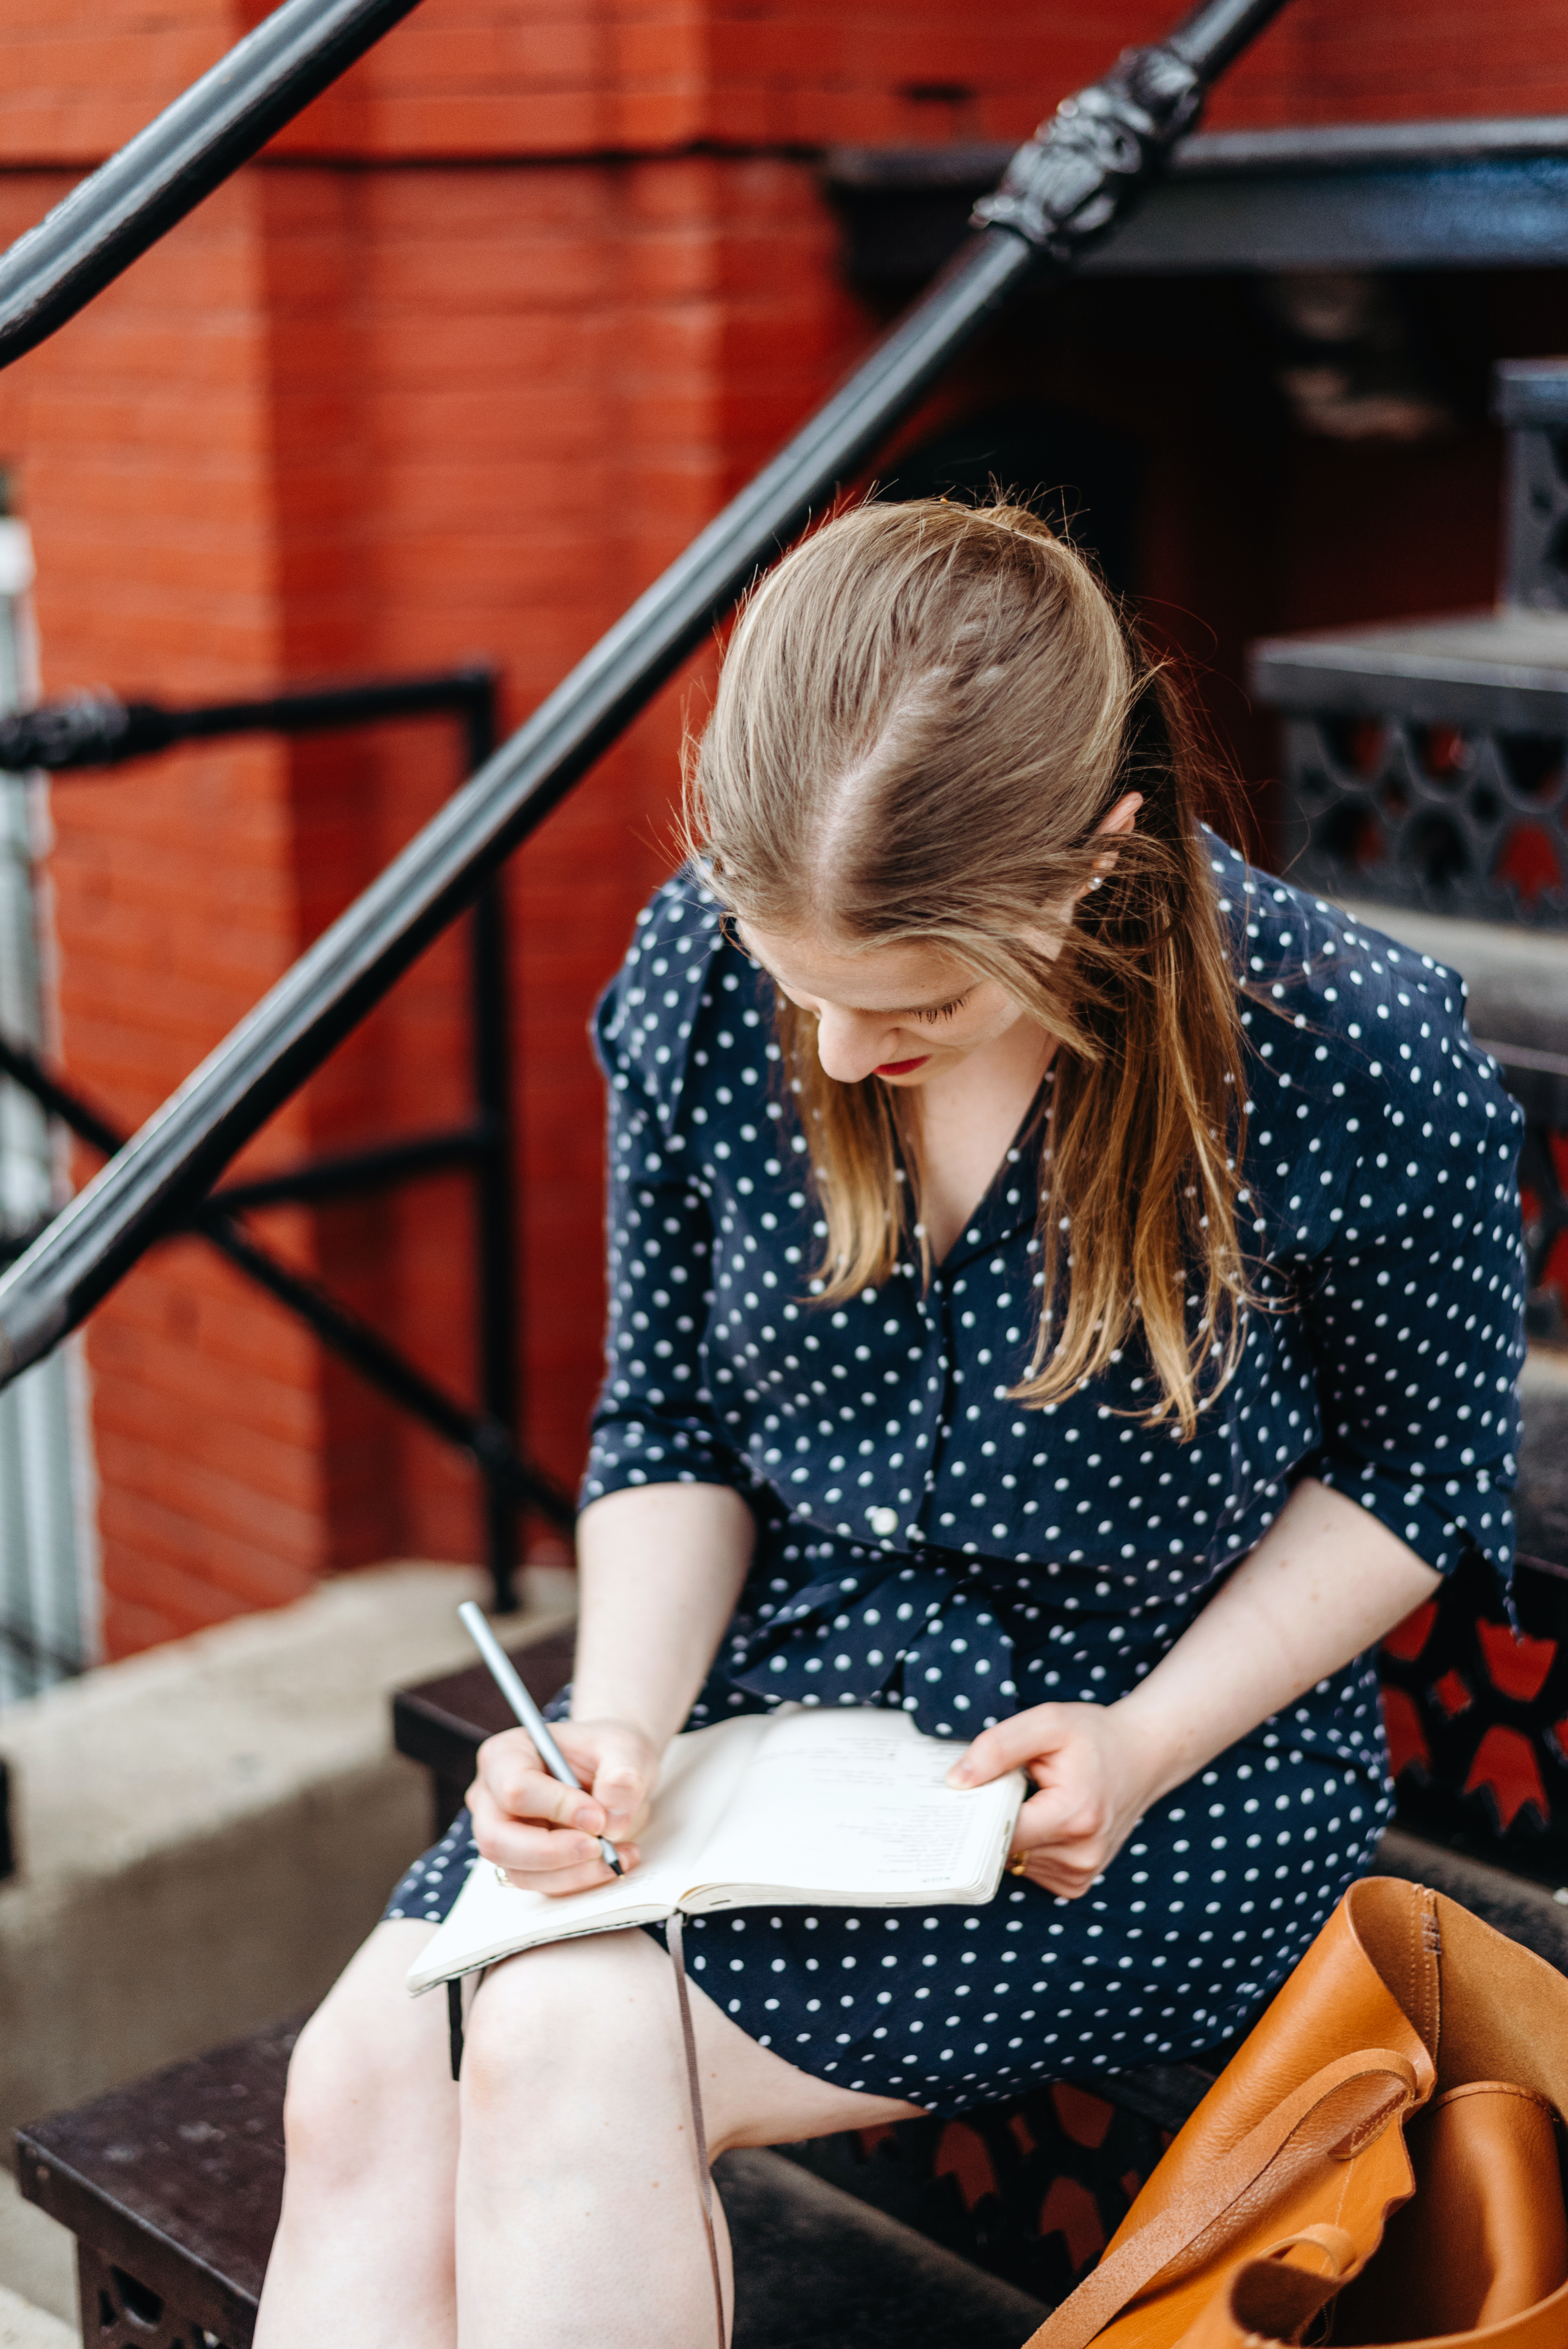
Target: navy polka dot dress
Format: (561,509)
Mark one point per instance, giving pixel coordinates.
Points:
(924,1543)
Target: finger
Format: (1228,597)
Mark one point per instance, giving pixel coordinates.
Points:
(513,1776)
(1068,1884)
(1022,1737)
(514,1842)
(531,1794)
(584,1878)
(621,1791)
(1067,1869)
(1060,1815)
(556,1887)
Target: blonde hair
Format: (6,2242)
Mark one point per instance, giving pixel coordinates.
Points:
(925,712)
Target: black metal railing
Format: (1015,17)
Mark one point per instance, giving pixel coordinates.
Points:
(111,217)
(94,731)
(1063,192)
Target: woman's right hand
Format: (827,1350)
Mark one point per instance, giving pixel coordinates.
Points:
(545,1837)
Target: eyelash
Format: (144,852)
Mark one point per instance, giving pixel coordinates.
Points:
(944,1010)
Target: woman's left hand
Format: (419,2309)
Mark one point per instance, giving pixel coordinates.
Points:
(1095,1784)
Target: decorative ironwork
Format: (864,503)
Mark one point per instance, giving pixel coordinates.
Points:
(119,2312)
(1427,766)
(1473,822)
(1477,1719)
(1490,193)
(1427,762)
(1076,177)
(1540,1172)
(1031,2190)
(1532,402)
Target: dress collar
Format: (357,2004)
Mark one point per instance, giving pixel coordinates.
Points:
(1011,1207)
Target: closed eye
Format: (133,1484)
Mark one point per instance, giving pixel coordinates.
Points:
(944,1010)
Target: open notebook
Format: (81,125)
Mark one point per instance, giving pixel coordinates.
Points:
(839,1809)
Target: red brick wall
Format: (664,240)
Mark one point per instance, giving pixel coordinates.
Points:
(142,438)
(493,330)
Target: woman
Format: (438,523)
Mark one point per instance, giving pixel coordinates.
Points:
(1060,1285)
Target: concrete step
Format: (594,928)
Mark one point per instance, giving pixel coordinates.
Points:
(23,2326)
(37,2255)
(205,1833)
(1518,979)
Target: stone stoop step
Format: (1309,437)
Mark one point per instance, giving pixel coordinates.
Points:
(206,1832)
(23,2326)
(37,2255)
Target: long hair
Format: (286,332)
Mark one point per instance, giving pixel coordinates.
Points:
(924,714)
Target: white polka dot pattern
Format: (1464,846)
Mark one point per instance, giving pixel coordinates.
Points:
(923,1542)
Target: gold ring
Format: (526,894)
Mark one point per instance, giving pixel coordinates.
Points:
(1019,1866)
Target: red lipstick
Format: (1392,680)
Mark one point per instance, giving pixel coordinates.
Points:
(902,1068)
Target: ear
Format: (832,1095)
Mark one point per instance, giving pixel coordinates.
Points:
(1124,815)
(1117,825)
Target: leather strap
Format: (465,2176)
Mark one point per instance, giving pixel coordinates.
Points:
(673,1939)
(1337,2248)
(1334,2116)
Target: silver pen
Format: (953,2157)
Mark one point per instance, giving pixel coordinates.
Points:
(505,1678)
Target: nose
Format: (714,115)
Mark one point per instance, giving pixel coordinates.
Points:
(852,1044)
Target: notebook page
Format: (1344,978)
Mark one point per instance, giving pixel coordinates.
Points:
(853,1803)
(697,1781)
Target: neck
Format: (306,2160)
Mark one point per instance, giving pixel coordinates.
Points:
(967,1117)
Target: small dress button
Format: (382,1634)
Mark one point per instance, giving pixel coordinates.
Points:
(883,1523)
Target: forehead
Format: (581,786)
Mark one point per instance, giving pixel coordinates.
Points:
(906,977)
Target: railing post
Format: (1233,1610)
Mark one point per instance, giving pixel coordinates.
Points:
(498,1299)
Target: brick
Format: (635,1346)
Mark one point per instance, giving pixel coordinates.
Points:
(360,420)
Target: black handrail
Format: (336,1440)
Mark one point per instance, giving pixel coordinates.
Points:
(98,730)
(110,218)
(1064,190)
(485,1434)
(92,732)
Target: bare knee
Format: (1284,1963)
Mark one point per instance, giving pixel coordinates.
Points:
(369,2085)
(572,2028)
(336,2105)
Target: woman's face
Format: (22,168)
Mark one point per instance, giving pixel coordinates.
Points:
(905,1013)
(902,1013)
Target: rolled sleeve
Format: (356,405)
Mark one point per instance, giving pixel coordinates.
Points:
(1416,1311)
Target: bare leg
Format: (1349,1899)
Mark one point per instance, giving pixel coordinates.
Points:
(570,2214)
(363,2252)
(578,2221)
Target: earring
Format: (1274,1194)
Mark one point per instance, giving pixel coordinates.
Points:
(1096,881)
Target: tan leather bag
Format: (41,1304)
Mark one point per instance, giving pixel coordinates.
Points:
(1387,2139)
